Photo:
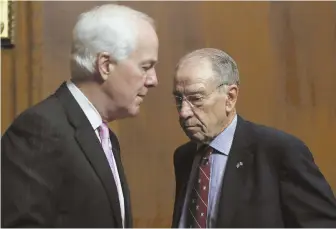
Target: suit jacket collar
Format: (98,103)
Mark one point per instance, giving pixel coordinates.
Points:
(91,147)
(87,107)
(72,109)
(222,143)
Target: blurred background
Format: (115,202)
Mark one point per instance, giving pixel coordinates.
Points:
(286,55)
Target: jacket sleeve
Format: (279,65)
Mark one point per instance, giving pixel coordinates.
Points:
(29,173)
(307,199)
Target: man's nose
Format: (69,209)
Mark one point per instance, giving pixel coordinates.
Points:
(151,79)
(185,110)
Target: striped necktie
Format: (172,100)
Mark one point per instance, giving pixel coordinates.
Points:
(198,204)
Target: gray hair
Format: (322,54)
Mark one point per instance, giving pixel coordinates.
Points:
(108,28)
(223,65)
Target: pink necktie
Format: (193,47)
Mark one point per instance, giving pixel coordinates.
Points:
(105,142)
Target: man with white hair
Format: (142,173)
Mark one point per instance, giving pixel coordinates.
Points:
(61,165)
(234,173)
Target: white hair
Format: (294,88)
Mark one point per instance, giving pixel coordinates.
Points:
(223,65)
(108,28)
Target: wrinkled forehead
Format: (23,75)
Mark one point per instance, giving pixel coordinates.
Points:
(193,75)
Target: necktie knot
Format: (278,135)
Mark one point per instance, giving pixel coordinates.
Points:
(103,131)
(205,152)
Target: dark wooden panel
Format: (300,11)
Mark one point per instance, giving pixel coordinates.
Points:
(7,88)
(22,75)
(286,53)
(21,64)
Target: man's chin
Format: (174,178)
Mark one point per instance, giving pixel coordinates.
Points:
(134,111)
(196,137)
(129,112)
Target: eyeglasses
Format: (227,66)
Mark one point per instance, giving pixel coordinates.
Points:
(194,100)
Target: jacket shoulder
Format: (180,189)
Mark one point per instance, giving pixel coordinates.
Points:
(274,137)
(279,145)
(45,113)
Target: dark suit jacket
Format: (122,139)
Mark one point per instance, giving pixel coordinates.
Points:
(54,170)
(278,184)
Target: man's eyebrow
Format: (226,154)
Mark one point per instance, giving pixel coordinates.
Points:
(176,93)
(196,92)
(151,62)
(189,93)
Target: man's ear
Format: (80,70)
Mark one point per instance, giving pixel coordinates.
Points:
(232,96)
(105,65)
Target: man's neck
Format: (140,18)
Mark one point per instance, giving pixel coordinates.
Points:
(225,125)
(93,93)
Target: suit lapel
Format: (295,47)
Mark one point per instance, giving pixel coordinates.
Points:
(238,166)
(91,147)
(123,181)
(97,158)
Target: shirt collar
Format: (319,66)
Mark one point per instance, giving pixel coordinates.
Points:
(222,143)
(89,110)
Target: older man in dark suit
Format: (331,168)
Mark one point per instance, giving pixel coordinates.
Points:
(235,173)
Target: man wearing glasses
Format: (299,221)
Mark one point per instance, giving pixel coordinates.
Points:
(234,173)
